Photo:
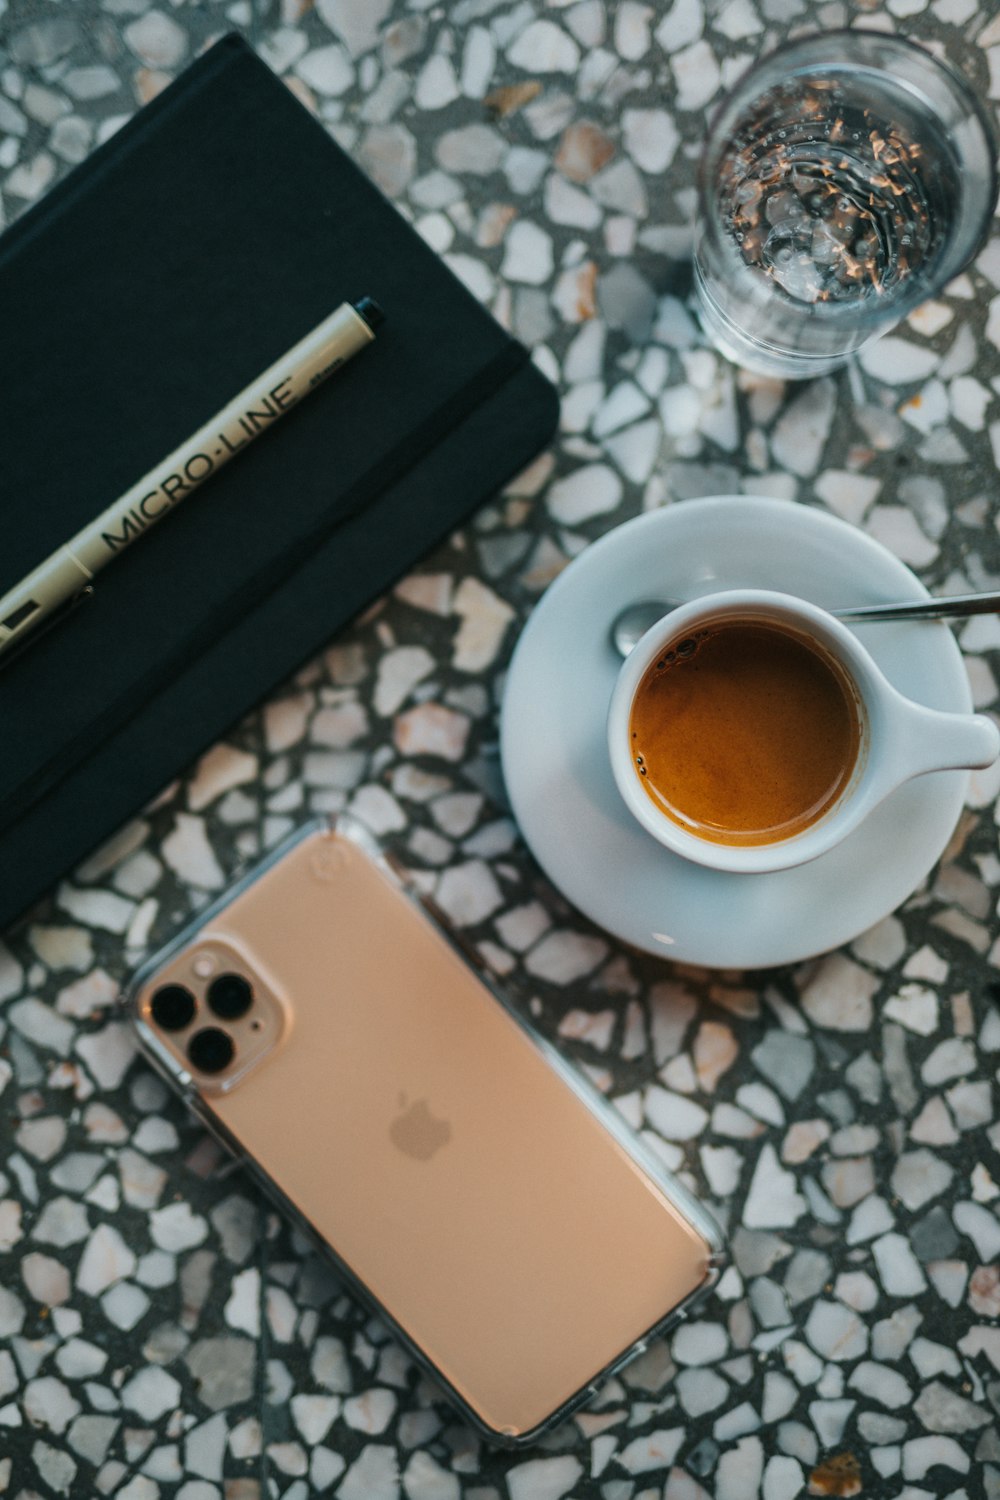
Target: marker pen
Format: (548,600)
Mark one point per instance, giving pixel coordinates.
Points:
(73,565)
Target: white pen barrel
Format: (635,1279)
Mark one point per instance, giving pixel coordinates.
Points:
(67,570)
(248,414)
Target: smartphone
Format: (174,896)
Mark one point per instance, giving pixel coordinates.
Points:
(466,1182)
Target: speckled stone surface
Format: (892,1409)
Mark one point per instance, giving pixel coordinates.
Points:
(162,1332)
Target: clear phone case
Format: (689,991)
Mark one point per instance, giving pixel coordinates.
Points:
(467,1182)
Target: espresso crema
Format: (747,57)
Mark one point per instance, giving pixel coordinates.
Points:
(745,732)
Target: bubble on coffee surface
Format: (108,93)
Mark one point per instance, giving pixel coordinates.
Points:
(683,651)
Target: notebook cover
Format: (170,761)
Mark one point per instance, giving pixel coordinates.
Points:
(198,244)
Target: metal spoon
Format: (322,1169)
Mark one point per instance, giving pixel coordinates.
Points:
(635,619)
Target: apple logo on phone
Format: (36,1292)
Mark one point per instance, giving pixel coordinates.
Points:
(417,1132)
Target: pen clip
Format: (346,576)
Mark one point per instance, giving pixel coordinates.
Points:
(33,635)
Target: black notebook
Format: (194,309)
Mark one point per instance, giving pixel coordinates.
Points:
(200,243)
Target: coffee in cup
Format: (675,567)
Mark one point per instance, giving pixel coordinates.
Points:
(744,731)
(752,731)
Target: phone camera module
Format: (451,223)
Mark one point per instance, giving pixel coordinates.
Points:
(210,1050)
(230,996)
(173,1007)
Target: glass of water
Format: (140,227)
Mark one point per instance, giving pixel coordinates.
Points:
(846,178)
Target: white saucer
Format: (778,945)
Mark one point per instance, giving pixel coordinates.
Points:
(555,757)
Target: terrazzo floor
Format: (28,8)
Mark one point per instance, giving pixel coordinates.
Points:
(163,1334)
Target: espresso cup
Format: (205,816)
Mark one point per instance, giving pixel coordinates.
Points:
(751,731)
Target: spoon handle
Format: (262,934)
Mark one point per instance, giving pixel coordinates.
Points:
(951,606)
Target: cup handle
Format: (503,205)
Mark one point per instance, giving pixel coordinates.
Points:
(935,741)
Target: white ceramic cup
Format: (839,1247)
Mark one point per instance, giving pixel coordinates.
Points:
(899,739)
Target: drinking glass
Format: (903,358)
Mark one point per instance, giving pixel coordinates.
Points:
(846,178)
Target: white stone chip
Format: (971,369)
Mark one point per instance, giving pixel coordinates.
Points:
(377,809)
(697,74)
(740,1470)
(242,1309)
(683,24)
(983,1228)
(528,253)
(468,893)
(204,1450)
(219,770)
(898,362)
(881,1383)
(485,618)
(96,908)
(108,1053)
(848,495)
(329,1365)
(925,1453)
(425,1479)
(62,1221)
(918,1176)
(543,47)
(157,40)
(839,994)
(432,729)
(46,1279)
(830,1418)
(62,947)
(42,1025)
(399,671)
(739,20)
(898,1268)
(673,1116)
(478,62)
(106,1259)
(370,1412)
(436,84)
(835,1331)
(701,1389)
(773,1200)
(915,1007)
(635,450)
(592,490)
(372,1476)
(563,956)
(188,853)
(49,1403)
(124,1305)
(699,1343)
(11,1230)
(897,528)
(801,432)
(651,138)
(654,1451)
(357,22)
(952,1058)
(11,974)
(177,1227)
(592,1027)
(151,1393)
(783,1478)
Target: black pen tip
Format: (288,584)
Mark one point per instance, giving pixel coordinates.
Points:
(369,309)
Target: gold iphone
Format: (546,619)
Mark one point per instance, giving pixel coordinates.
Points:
(468,1184)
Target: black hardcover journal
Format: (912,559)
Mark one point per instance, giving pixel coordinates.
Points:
(201,242)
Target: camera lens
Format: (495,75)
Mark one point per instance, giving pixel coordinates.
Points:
(230,996)
(173,1007)
(211,1050)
